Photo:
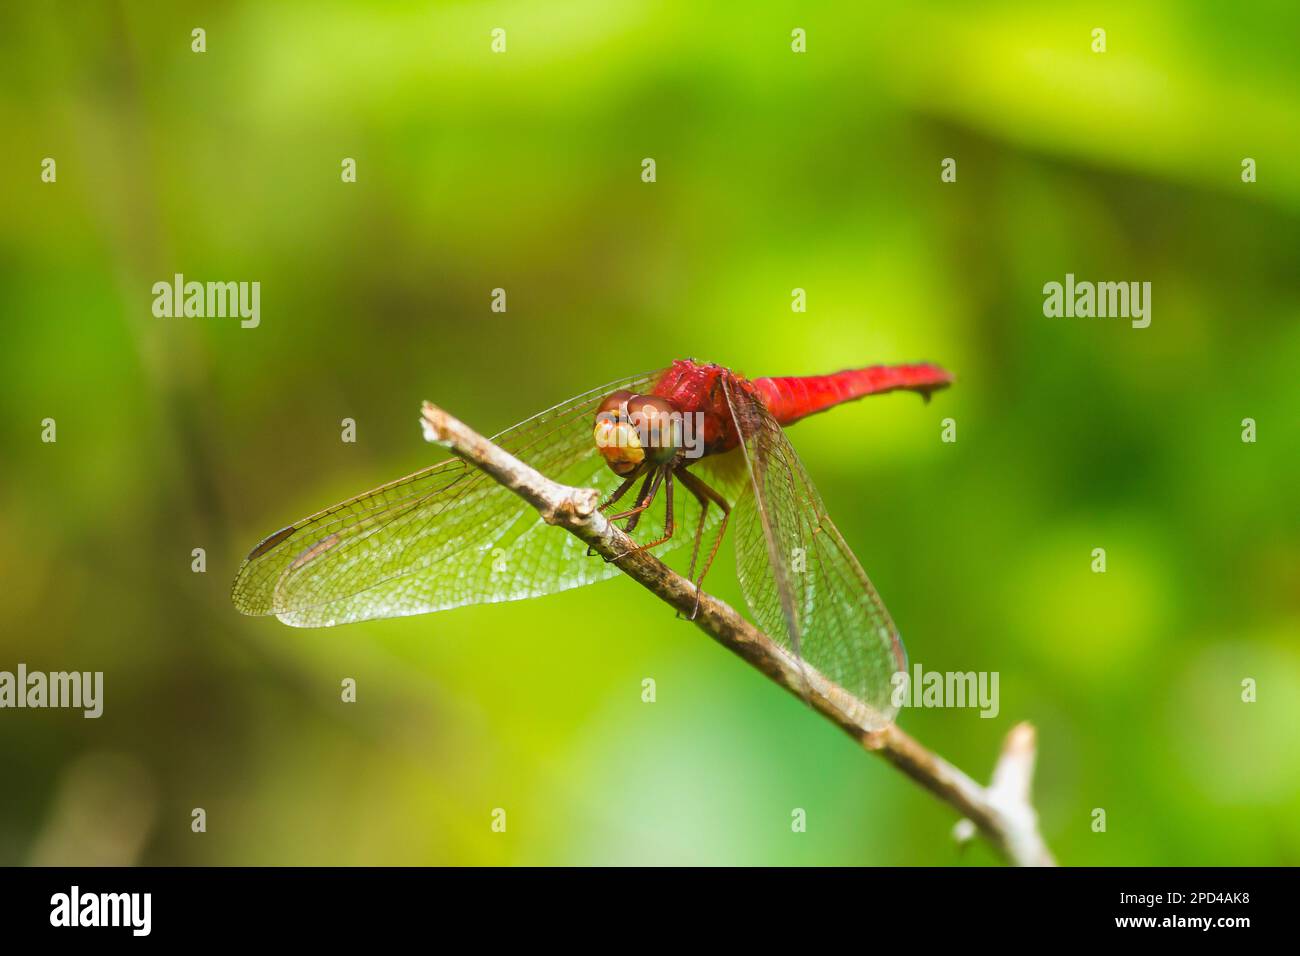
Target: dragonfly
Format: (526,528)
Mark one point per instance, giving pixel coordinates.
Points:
(707,448)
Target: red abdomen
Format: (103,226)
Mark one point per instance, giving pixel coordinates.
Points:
(794,397)
(695,387)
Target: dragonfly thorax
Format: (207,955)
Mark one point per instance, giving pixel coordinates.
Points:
(632,430)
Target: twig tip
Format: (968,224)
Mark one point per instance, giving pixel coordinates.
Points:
(433,422)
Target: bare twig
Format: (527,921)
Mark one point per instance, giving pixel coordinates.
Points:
(1002,812)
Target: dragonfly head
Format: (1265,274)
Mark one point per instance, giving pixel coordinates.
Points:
(634,429)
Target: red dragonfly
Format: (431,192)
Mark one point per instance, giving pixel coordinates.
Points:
(449,536)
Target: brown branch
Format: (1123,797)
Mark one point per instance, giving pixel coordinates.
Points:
(1002,812)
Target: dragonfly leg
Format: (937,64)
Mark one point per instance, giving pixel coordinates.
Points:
(622,489)
(662,476)
(644,500)
(668,512)
(704,494)
(699,526)
(618,493)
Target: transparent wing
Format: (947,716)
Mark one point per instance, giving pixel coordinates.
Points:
(803,584)
(443,537)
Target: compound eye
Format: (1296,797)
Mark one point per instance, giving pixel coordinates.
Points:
(615,435)
(612,407)
(659,423)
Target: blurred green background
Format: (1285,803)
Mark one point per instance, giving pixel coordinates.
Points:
(775,170)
